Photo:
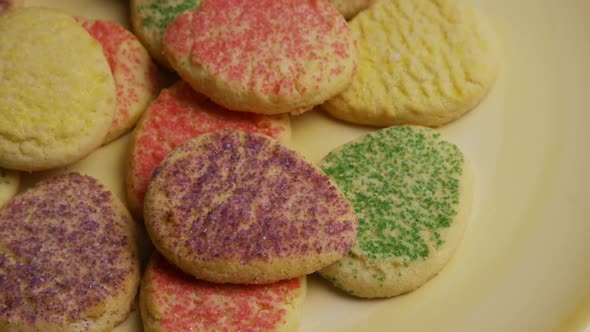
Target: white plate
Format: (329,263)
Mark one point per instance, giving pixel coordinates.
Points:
(524,264)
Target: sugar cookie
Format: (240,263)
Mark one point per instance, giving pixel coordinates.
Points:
(171,300)
(56,105)
(263,56)
(69,258)
(9,183)
(349,8)
(150,18)
(133,70)
(177,115)
(412,194)
(238,207)
(421,62)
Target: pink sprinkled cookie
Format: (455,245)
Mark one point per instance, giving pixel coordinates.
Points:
(6,5)
(173,301)
(177,115)
(69,258)
(239,207)
(263,56)
(134,72)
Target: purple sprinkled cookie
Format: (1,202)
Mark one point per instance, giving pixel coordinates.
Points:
(68,258)
(238,207)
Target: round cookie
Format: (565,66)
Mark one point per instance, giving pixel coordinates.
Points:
(421,62)
(56,105)
(6,5)
(173,301)
(9,183)
(349,8)
(263,56)
(177,115)
(134,73)
(238,207)
(69,258)
(412,193)
(150,18)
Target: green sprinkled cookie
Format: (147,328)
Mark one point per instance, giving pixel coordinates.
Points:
(150,18)
(411,190)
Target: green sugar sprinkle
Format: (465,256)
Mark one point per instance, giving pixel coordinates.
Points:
(160,13)
(403,182)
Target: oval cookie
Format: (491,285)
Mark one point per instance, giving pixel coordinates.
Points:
(263,56)
(171,300)
(421,62)
(177,115)
(134,73)
(69,258)
(56,105)
(412,193)
(9,183)
(238,207)
(150,18)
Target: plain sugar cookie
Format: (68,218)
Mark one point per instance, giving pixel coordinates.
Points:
(9,183)
(69,258)
(263,56)
(171,300)
(349,8)
(150,18)
(177,115)
(134,73)
(56,105)
(421,62)
(239,207)
(411,190)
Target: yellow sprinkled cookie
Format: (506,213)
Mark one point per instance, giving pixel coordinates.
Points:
(422,62)
(57,94)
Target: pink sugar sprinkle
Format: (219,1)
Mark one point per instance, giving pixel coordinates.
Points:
(261,43)
(189,304)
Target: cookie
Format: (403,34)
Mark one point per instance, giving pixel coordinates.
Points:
(171,300)
(150,18)
(69,258)
(421,62)
(412,191)
(177,115)
(6,5)
(134,73)
(349,8)
(56,105)
(263,56)
(9,183)
(239,207)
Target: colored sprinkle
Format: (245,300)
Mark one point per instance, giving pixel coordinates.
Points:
(179,114)
(276,48)
(188,304)
(123,52)
(159,13)
(404,185)
(65,250)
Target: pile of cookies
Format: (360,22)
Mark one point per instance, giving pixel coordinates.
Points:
(238,219)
